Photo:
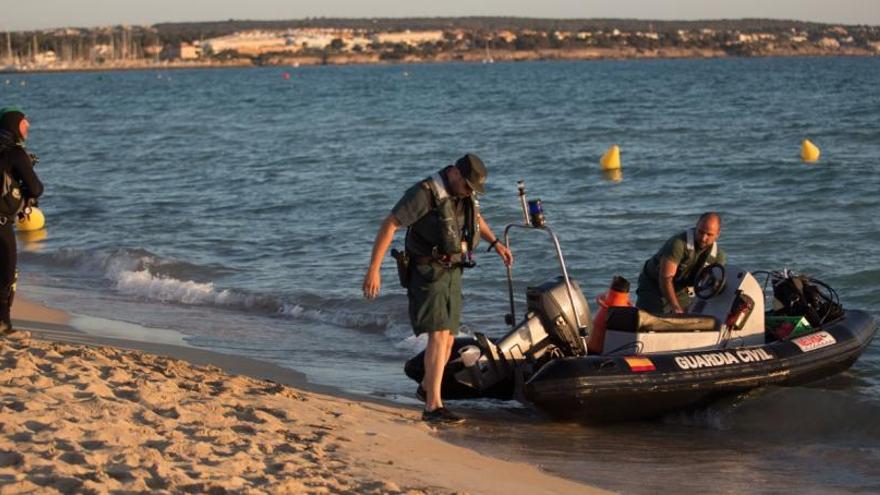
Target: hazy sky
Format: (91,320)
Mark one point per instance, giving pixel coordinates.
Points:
(31,14)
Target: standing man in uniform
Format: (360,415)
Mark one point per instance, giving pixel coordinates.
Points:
(444,225)
(668,277)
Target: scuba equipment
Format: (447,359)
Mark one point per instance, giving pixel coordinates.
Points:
(12,197)
(801,295)
(11,201)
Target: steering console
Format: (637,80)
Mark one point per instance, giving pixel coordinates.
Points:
(710,281)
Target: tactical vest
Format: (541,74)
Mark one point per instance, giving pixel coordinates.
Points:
(455,238)
(687,271)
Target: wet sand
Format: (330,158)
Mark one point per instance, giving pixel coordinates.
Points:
(80,413)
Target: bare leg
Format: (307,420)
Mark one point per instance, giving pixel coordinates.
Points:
(436,356)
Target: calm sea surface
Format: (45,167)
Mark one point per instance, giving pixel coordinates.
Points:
(239,207)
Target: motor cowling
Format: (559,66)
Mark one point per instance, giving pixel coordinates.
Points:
(567,324)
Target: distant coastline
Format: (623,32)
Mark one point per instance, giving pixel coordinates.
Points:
(313,42)
(467,57)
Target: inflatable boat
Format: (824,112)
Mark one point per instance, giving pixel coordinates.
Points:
(651,364)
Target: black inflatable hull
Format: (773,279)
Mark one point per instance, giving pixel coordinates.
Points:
(606,388)
(452,389)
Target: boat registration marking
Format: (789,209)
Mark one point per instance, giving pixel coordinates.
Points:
(716,359)
(638,364)
(815,341)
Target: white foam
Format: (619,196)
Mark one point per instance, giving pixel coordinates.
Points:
(131,271)
(336,317)
(413,343)
(166,289)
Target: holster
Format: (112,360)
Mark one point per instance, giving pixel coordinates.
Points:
(403,261)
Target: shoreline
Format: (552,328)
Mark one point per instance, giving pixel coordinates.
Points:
(475,57)
(82,412)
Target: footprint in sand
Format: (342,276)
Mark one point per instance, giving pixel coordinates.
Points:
(73,458)
(15,405)
(93,444)
(10,459)
(36,426)
(130,394)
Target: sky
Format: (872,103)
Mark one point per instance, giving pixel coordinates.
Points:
(38,14)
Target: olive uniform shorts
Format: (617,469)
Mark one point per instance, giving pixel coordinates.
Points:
(434,298)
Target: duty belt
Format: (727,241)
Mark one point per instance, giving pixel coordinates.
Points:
(446,262)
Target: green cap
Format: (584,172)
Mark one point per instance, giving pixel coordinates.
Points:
(473,171)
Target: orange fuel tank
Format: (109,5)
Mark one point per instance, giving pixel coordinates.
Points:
(617,295)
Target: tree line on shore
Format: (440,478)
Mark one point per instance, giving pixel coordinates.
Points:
(734,37)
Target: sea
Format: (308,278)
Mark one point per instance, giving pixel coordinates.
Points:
(235,209)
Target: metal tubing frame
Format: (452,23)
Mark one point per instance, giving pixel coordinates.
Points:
(521,187)
(559,256)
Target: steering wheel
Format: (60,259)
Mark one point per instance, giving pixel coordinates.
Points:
(710,281)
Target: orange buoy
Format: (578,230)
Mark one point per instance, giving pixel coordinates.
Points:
(617,295)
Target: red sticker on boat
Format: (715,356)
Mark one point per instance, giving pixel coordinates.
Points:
(639,364)
(815,341)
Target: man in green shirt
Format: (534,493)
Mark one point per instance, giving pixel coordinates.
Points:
(668,277)
(444,225)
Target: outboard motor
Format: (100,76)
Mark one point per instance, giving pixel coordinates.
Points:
(549,328)
(550,300)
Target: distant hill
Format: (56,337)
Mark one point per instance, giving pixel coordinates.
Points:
(191,31)
(321,40)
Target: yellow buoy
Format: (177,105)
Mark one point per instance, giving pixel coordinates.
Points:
(611,159)
(809,152)
(34,221)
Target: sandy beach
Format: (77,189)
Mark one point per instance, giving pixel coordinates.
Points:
(80,414)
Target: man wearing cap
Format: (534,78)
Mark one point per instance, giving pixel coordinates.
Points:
(444,224)
(668,277)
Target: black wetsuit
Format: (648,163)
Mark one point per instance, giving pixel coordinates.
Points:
(15,161)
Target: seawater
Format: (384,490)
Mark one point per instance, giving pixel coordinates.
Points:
(239,207)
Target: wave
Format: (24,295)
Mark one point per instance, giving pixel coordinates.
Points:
(143,275)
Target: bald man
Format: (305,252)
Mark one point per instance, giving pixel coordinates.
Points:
(667,279)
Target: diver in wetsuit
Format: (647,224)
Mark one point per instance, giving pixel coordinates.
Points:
(20,189)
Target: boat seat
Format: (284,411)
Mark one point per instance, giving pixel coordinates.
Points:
(633,320)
